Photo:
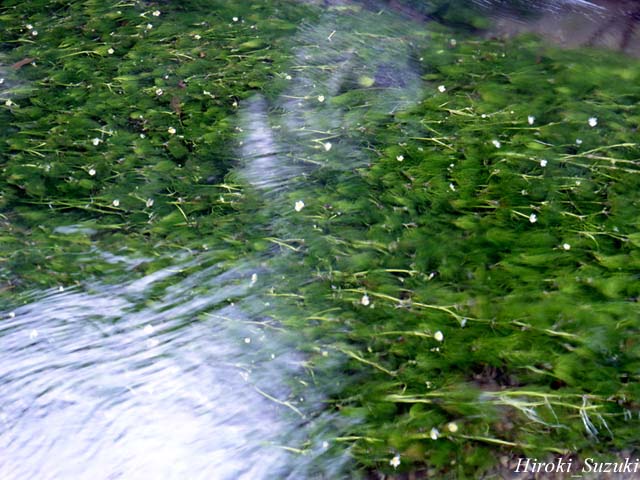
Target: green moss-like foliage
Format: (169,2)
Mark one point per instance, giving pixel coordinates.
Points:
(462,278)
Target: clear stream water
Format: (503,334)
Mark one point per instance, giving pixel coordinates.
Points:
(103,382)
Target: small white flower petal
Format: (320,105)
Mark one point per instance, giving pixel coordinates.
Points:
(395,461)
(327,146)
(96,141)
(321,98)
(434,433)
(34,33)
(365,300)
(159,91)
(496,143)
(452,427)
(400,158)
(149,203)
(116,203)
(438,336)
(299,205)
(531,119)
(171,131)
(111,51)
(235,19)
(543,163)
(92,172)
(593,121)
(442,89)
(156,13)
(533,218)
(566,246)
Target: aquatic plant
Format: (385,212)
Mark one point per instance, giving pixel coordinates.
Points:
(460,269)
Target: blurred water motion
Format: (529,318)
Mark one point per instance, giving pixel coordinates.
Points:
(609,24)
(181,374)
(103,383)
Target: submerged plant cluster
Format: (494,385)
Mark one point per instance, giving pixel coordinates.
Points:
(467,287)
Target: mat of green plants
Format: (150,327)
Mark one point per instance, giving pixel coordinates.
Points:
(466,290)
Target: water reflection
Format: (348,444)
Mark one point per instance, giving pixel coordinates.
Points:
(609,24)
(108,384)
(184,373)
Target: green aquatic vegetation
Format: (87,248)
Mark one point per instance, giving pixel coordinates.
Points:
(122,114)
(479,276)
(462,270)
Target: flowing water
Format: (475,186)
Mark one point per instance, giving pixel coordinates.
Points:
(184,373)
(114,381)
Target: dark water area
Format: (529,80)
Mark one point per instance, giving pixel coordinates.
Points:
(320,256)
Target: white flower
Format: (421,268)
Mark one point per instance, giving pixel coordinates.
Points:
(235,19)
(287,77)
(197,37)
(1,81)
(12,314)
(8,103)
(142,135)
(111,51)
(578,141)
(496,143)
(96,141)
(254,278)
(321,98)
(400,158)
(149,202)
(533,218)
(148,329)
(156,13)
(29,26)
(566,246)
(452,427)
(395,461)
(92,172)
(247,340)
(365,300)
(543,163)
(159,91)
(453,42)
(149,26)
(116,203)
(299,205)
(33,334)
(442,89)
(593,121)
(34,33)
(452,187)
(438,336)
(434,433)
(171,131)
(325,445)
(531,119)
(327,146)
